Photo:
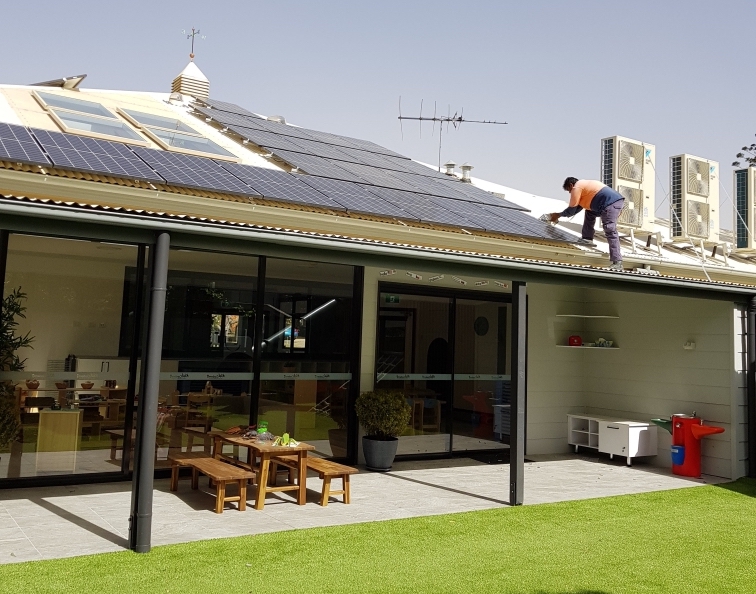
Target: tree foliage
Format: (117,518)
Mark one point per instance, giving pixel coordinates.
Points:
(746,156)
(11,342)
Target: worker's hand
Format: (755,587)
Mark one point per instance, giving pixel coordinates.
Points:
(550,217)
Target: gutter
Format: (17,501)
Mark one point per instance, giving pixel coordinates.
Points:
(311,240)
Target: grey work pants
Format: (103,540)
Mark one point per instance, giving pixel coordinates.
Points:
(609,218)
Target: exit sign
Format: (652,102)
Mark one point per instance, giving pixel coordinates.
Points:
(392,298)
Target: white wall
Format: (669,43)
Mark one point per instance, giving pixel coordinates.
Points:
(650,374)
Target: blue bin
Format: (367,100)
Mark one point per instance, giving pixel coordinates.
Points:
(678,455)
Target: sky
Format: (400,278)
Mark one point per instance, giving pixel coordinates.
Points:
(562,74)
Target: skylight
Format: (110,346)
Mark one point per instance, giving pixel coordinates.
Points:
(173,134)
(87,117)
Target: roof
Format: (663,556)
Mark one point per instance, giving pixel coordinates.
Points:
(380,177)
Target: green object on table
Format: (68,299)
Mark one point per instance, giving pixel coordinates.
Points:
(663,423)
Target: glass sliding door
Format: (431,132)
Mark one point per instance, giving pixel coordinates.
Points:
(305,372)
(206,370)
(481,374)
(71,397)
(415,356)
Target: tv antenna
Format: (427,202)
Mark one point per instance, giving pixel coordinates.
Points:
(455,120)
(192,35)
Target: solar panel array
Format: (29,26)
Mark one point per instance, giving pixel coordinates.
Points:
(82,153)
(192,172)
(228,107)
(345,175)
(17,145)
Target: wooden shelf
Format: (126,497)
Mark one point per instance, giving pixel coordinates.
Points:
(591,317)
(566,346)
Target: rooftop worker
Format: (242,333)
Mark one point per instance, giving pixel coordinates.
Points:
(598,200)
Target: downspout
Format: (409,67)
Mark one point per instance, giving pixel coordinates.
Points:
(3,259)
(517,398)
(140,522)
(751,384)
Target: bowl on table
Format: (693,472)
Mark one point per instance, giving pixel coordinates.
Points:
(87,385)
(61,385)
(32,384)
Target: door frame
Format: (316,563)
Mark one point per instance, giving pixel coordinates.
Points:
(453,295)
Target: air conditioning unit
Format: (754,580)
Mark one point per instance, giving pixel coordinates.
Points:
(628,166)
(694,199)
(744,195)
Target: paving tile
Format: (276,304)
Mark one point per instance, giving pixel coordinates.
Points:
(15,551)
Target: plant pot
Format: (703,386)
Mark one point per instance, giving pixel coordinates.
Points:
(379,453)
(337,438)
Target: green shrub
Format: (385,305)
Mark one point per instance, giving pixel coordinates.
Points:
(383,413)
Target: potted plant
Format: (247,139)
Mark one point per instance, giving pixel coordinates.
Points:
(10,343)
(384,414)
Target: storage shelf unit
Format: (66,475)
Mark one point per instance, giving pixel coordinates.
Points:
(612,436)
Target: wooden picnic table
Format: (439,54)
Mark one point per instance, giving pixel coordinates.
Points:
(265,451)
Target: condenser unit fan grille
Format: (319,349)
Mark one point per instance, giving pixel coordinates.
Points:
(698,219)
(698,177)
(630,159)
(632,211)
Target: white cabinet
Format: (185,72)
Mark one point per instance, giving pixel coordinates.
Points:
(618,437)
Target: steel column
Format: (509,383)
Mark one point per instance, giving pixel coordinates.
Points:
(254,404)
(3,259)
(751,385)
(140,522)
(355,363)
(517,401)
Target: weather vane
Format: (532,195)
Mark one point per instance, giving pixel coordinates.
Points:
(455,120)
(192,35)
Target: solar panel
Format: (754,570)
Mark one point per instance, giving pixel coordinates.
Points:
(368,146)
(422,208)
(378,177)
(317,166)
(354,197)
(279,185)
(83,153)
(18,145)
(321,149)
(193,172)
(267,140)
(284,129)
(417,168)
(227,118)
(480,196)
(428,185)
(229,107)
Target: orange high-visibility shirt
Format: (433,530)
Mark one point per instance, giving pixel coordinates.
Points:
(583,192)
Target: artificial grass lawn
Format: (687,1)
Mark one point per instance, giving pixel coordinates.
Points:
(688,540)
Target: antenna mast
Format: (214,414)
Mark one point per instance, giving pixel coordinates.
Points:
(455,120)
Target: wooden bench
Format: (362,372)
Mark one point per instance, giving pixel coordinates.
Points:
(326,470)
(179,459)
(219,473)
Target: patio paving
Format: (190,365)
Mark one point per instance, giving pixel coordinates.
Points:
(54,522)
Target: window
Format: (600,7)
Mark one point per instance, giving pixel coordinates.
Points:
(87,117)
(173,134)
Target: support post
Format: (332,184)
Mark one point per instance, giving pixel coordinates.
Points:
(254,404)
(751,385)
(517,428)
(3,259)
(140,522)
(358,291)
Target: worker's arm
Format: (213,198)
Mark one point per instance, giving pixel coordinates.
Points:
(570,211)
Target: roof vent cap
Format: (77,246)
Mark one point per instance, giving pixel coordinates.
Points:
(192,82)
(466,168)
(277,118)
(450,165)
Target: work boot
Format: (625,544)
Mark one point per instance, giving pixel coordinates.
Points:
(616,266)
(586,242)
